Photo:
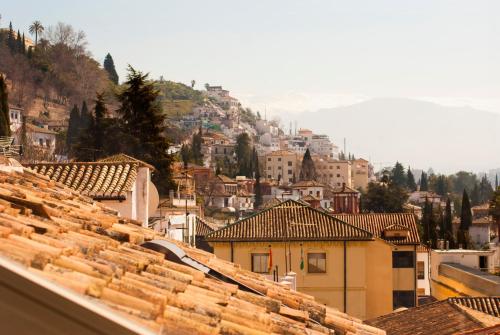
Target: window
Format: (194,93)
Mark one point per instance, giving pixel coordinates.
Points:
(402,259)
(216,151)
(224,151)
(338,167)
(260,263)
(331,167)
(290,172)
(279,167)
(289,163)
(269,168)
(269,159)
(47,142)
(338,175)
(268,176)
(420,270)
(40,141)
(403,299)
(317,194)
(316,262)
(279,159)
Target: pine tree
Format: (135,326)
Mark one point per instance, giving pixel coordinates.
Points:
(410,181)
(143,123)
(4,108)
(423,182)
(307,171)
(109,66)
(465,219)
(398,175)
(73,128)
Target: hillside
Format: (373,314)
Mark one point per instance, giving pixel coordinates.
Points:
(414,132)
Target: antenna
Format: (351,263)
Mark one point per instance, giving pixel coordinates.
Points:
(345,146)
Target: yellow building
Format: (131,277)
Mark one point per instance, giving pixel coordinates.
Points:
(360,173)
(282,165)
(341,265)
(333,172)
(400,230)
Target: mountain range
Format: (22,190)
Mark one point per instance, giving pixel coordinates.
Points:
(414,132)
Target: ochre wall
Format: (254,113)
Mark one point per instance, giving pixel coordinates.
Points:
(369,272)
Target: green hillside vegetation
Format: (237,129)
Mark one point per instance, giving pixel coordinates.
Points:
(177,99)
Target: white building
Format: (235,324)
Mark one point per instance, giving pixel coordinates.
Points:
(121,182)
(423,282)
(16,115)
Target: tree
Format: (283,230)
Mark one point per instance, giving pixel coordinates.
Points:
(4,108)
(426,222)
(495,209)
(36,28)
(496,182)
(11,39)
(85,118)
(258,190)
(109,66)
(207,85)
(448,224)
(196,144)
(465,220)
(19,42)
(186,154)
(485,190)
(398,175)
(384,198)
(423,182)
(410,181)
(73,128)
(193,82)
(143,122)
(243,152)
(307,171)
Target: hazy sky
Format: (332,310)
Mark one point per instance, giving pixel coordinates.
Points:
(291,56)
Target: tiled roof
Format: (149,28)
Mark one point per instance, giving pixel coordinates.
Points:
(376,223)
(488,305)
(292,220)
(99,180)
(438,318)
(203,227)
(493,330)
(122,158)
(307,183)
(80,245)
(35,129)
(226,179)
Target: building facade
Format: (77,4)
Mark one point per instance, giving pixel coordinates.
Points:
(282,165)
(342,266)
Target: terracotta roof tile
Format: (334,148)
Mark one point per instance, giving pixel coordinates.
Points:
(488,305)
(438,318)
(292,220)
(493,330)
(123,158)
(99,180)
(83,246)
(376,223)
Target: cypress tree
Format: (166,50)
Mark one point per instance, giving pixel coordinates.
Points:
(196,147)
(4,108)
(426,221)
(109,66)
(99,127)
(24,46)
(143,123)
(11,39)
(496,182)
(410,181)
(307,171)
(73,128)
(258,191)
(423,182)
(448,225)
(243,152)
(85,117)
(465,219)
(19,42)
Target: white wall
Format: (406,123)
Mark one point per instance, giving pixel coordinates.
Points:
(424,283)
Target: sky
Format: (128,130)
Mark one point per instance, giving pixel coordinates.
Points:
(283,56)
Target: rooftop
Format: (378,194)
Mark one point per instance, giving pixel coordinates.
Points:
(377,223)
(79,246)
(292,220)
(440,318)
